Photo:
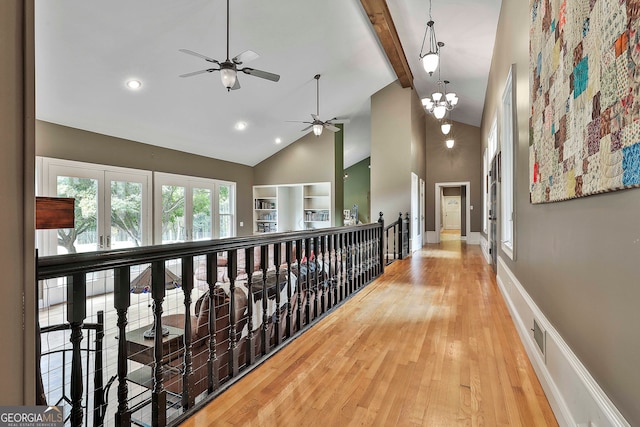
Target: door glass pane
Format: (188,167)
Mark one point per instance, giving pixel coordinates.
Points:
(126,214)
(84,237)
(226,217)
(225,226)
(173,213)
(201,214)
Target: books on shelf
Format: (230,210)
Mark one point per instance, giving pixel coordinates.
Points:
(265,204)
(267,227)
(310,216)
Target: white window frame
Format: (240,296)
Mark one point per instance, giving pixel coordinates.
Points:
(507,154)
(189,183)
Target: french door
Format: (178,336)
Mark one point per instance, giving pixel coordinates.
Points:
(112,206)
(189,208)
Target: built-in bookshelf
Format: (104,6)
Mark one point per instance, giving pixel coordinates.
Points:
(265,209)
(317,205)
(291,207)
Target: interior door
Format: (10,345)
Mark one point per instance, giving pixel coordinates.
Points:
(422,210)
(452,212)
(416,237)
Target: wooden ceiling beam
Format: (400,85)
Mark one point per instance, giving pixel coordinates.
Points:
(382,22)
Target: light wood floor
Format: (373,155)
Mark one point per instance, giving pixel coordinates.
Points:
(430,343)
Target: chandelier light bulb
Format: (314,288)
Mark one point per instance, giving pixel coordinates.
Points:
(450,142)
(317,129)
(439,111)
(430,62)
(437,96)
(445,128)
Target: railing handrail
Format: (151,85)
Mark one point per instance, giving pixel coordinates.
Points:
(53,266)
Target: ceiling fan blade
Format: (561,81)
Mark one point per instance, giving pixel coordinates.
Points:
(199,55)
(339,121)
(261,74)
(307,128)
(195,73)
(244,57)
(236,85)
(331,127)
(297,121)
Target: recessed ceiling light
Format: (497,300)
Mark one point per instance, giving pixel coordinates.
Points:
(278,140)
(134,84)
(241,126)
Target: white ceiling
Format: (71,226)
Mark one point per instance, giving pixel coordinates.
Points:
(87,49)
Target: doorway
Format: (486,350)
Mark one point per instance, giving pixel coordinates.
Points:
(453,210)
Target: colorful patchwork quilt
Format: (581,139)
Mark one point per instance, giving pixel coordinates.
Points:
(585,97)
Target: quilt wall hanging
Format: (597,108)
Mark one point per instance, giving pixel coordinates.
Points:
(584,73)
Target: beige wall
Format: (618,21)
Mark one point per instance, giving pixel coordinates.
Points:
(461,163)
(74,144)
(391,144)
(17,293)
(577,259)
(309,159)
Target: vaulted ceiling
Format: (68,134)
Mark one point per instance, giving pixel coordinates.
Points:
(87,49)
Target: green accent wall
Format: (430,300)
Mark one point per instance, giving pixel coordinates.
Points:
(357,189)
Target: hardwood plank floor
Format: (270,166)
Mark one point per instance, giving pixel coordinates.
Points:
(430,343)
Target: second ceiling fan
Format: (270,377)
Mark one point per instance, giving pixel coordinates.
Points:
(317,124)
(229,67)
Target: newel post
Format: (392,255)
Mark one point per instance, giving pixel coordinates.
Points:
(381,245)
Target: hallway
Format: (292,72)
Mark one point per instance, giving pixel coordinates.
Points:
(429,343)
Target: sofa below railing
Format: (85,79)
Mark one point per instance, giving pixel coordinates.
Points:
(219,308)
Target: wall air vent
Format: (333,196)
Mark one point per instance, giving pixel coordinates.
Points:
(539,335)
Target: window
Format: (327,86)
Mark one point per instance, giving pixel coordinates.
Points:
(190,208)
(506,158)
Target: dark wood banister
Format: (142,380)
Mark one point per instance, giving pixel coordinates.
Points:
(65,265)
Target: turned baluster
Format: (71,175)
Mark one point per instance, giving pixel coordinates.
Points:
(232,272)
(301,289)
(158,394)
(331,272)
(188,394)
(324,280)
(76,313)
(307,251)
(289,325)
(316,279)
(251,337)
(340,265)
(121,302)
(264,265)
(213,363)
(277,255)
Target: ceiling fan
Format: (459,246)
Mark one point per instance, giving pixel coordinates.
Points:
(318,124)
(229,67)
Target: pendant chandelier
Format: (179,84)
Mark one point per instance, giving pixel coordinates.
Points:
(431,58)
(441,100)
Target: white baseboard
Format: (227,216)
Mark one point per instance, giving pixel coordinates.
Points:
(432,237)
(484,245)
(575,397)
(473,238)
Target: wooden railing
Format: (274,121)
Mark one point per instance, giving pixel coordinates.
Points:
(294,279)
(396,239)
